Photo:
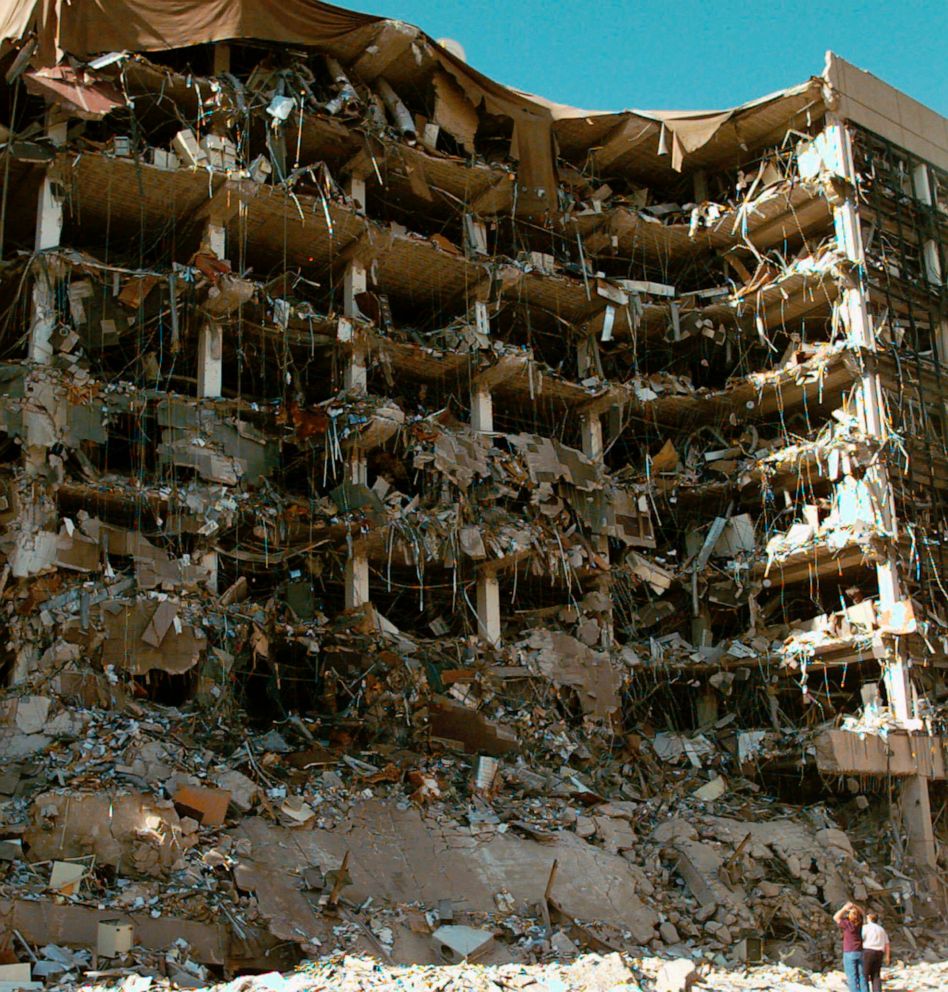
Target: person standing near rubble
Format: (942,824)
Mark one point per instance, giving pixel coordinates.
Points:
(875,949)
(849,920)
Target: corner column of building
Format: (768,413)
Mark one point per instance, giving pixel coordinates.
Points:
(915,810)
(921,184)
(869,401)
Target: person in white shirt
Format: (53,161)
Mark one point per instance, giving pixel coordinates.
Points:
(875,948)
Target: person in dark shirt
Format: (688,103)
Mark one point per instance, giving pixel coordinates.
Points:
(849,921)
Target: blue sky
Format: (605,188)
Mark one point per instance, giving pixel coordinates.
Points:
(685,54)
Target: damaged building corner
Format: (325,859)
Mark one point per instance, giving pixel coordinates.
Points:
(439,525)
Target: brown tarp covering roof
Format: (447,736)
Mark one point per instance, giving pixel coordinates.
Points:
(90,27)
(660,140)
(152,25)
(94,26)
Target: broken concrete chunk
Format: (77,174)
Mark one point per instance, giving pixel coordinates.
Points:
(711,790)
(137,833)
(453,721)
(565,661)
(671,831)
(244,792)
(144,635)
(31,713)
(459,943)
(207,806)
(676,976)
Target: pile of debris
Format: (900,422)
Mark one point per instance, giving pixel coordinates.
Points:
(140,838)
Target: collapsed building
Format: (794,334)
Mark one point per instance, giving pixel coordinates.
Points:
(383,445)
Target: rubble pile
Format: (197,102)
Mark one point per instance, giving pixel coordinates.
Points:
(227,849)
(440,526)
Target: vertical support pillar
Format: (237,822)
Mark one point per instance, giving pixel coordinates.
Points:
(488,586)
(49,226)
(593,448)
(921,184)
(357,578)
(706,707)
(357,564)
(699,180)
(482,410)
(475,236)
(482,421)
(210,561)
(210,371)
(701,636)
(591,429)
(356,377)
(210,359)
(862,335)
(355,281)
(221,58)
(481,317)
(488,607)
(916,816)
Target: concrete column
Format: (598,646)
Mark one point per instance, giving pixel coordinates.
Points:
(210,360)
(357,578)
(475,235)
(488,585)
(916,816)
(481,318)
(210,561)
(488,607)
(355,281)
(591,428)
(706,708)
(221,58)
(482,410)
(355,378)
(357,565)
(941,344)
(593,448)
(482,421)
(49,226)
(210,371)
(699,183)
(923,193)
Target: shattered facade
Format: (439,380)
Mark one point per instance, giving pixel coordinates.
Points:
(383,446)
